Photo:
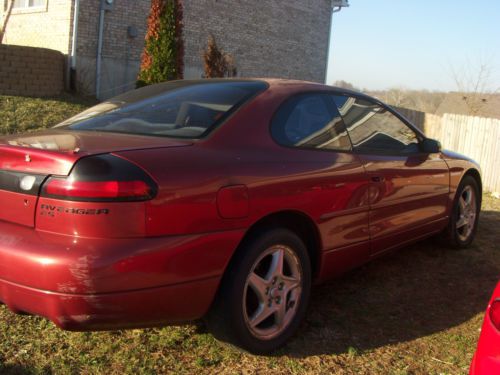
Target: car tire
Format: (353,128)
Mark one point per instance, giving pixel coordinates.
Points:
(464,217)
(261,304)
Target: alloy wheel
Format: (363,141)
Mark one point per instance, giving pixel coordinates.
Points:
(272,292)
(466,214)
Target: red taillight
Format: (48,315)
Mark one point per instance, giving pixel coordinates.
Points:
(99,189)
(495,313)
(102,178)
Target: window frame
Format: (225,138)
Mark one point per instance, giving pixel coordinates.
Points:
(310,148)
(418,133)
(26,8)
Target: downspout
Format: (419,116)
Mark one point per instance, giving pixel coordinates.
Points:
(102,12)
(328,46)
(75,34)
(72,64)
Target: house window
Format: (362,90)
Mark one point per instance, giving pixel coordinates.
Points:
(25,4)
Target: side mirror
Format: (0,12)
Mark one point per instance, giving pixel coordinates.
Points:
(430,146)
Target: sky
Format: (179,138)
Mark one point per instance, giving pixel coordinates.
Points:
(414,44)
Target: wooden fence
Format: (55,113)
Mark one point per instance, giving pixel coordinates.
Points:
(476,137)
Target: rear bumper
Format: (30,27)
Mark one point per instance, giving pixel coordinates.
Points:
(93,284)
(133,309)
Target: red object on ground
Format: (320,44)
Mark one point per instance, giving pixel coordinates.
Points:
(487,357)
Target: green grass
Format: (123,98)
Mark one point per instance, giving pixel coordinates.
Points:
(417,311)
(19,114)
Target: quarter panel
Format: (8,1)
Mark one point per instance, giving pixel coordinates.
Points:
(331,188)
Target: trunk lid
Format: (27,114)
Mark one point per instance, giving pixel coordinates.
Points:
(27,160)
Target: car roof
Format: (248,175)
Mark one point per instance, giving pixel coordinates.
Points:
(312,86)
(279,82)
(272,83)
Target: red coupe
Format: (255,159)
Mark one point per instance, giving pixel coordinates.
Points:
(218,199)
(487,358)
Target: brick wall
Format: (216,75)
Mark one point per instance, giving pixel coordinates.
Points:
(268,38)
(46,27)
(30,71)
(120,53)
(116,42)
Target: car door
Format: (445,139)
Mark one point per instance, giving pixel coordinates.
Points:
(334,191)
(409,188)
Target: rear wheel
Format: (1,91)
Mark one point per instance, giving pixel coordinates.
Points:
(264,295)
(465,214)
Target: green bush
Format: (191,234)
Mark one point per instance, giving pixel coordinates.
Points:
(162,59)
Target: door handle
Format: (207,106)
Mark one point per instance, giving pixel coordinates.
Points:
(378,178)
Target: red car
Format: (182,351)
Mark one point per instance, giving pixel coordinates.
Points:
(222,199)
(487,358)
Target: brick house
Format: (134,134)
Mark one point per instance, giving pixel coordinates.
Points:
(271,38)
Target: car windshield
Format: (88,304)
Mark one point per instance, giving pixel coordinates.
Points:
(179,109)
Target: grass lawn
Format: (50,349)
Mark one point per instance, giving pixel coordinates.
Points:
(19,114)
(416,311)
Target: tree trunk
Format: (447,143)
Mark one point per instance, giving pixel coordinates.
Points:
(6,17)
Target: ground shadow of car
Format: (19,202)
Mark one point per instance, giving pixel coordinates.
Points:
(415,292)
(15,369)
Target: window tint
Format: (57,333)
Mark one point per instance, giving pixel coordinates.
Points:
(374,129)
(179,109)
(310,121)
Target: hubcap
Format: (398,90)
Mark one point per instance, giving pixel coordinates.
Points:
(272,292)
(466,216)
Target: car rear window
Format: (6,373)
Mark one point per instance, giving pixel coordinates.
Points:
(179,109)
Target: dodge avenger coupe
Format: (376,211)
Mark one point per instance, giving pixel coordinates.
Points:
(218,199)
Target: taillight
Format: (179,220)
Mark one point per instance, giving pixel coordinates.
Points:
(102,178)
(495,313)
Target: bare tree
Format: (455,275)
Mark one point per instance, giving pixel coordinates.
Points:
(345,85)
(475,82)
(217,63)
(417,100)
(397,96)
(5,20)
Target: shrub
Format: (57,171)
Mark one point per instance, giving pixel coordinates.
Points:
(217,63)
(162,59)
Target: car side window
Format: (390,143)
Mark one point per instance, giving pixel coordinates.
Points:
(310,121)
(373,129)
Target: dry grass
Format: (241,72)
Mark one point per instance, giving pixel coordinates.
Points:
(417,311)
(19,113)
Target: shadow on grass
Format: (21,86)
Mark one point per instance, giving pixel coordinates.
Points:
(15,369)
(415,292)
